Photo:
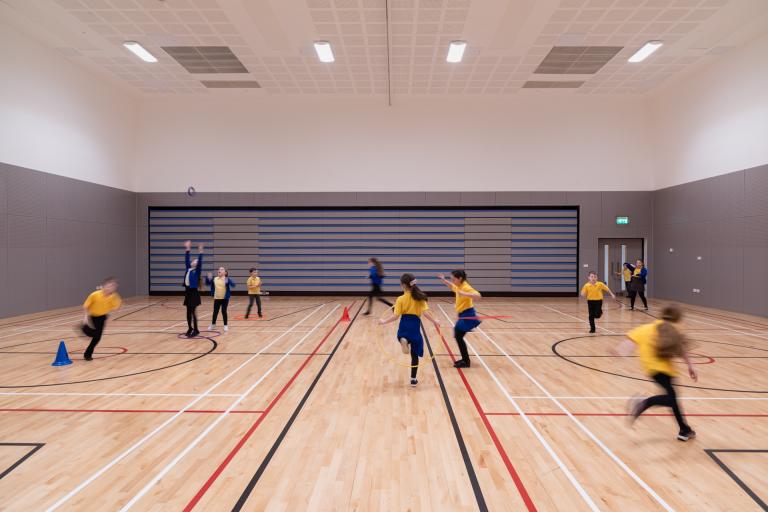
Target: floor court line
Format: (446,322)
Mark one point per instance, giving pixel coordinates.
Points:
(29,393)
(566,471)
(583,427)
(492,433)
(157,411)
(167,422)
(149,485)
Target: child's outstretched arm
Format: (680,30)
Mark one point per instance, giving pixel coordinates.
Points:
(432,319)
(388,320)
(691,370)
(445,281)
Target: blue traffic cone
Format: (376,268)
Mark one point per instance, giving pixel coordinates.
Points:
(62,358)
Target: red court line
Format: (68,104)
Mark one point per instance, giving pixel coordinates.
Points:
(231,455)
(203,411)
(510,468)
(598,414)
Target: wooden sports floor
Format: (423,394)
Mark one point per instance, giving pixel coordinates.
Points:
(302,411)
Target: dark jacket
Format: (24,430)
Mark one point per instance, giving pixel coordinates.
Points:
(194,276)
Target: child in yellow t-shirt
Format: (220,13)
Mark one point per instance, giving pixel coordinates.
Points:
(409,307)
(593,291)
(254,292)
(657,343)
(97,306)
(465,308)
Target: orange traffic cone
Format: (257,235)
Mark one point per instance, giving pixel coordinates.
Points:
(345,315)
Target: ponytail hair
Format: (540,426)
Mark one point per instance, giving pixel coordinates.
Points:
(407,280)
(460,275)
(671,342)
(379,267)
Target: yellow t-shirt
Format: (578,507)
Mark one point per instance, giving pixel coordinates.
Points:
(627,274)
(220,287)
(646,337)
(407,305)
(99,304)
(254,285)
(637,271)
(463,303)
(595,291)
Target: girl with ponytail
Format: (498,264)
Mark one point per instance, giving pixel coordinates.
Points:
(657,344)
(409,307)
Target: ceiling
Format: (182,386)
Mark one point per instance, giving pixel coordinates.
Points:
(507,42)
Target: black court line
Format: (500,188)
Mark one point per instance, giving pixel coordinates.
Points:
(733,475)
(35,447)
(136,311)
(268,458)
(198,356)
(457,431)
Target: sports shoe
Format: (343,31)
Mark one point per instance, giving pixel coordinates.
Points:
(633,409)
(591,331)
(90,358)
(226,328)
(188,333)
(461,363)
(414,382)
(404,346)
(195,333)
(685,435)
(211,327)
(645,309)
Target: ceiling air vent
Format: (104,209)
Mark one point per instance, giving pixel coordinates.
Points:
(576,60)
(206,59)
(231,84)
(551,84)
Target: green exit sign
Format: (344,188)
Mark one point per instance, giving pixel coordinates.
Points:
(622,220)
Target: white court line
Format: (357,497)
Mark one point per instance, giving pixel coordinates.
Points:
(221,416)
(170,420)
(583,428)
(579,319)
(567,472)
(67,320)
(688,318)
(112,394)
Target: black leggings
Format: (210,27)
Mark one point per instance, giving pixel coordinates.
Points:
(459,335)
(595,311)
(220,304)
(192,318)
(414,363)
(376,292)
(251,299)
(668,400)
(94,332)
(633,294)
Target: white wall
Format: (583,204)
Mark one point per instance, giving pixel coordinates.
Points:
(59,118)
(714,121)
(530,141)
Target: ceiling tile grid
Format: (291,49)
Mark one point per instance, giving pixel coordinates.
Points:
(418,36)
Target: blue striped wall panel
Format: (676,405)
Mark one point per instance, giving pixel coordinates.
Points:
(529,250)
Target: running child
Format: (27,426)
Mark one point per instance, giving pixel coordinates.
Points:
(467,321)
(221,290)
(626,275)
(593,291)
(376,275)
(657,343)
(409,307)
(254,292)
(97,306)
(192,270)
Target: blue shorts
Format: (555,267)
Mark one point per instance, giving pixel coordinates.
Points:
(410,329)
(468,324)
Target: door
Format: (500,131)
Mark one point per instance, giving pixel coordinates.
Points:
(612,253)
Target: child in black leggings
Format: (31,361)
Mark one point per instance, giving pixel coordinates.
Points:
(192,267)
(657,344)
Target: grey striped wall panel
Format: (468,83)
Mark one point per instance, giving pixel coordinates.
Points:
(325,250)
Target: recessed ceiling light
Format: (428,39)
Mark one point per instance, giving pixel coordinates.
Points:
(456,51)
(324,51)
(644,52)
(139,51)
